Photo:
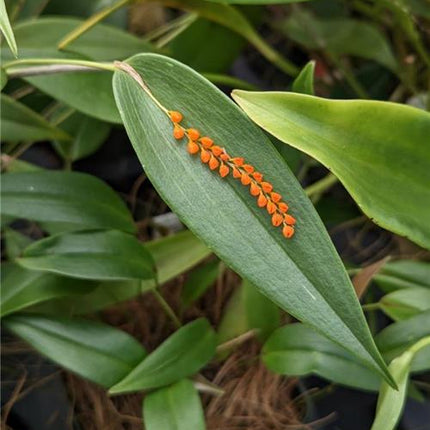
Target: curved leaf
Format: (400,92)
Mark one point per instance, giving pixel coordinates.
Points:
(398,337)
(6,29)
(304,275)
(304,83)
(19,122)
(103,255)
(93,350)
(77,199)
(297,350)
(377,150)
(22,288)
(181,355)
(177,407)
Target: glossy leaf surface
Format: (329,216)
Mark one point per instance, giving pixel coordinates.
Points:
(77,199)
(96,351)
(293,273)
(184,353)
(176,407)
(387,140)
(102,255)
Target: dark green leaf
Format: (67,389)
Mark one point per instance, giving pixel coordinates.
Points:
(352,136)
(405,303)
(95,351)
(293,273)
(3,78)
(21,123)
(398,337)
(78,199)
(184,353)
(176,407)
(22,288)
(304,83)
(15,243)
(102,255)
(296,349)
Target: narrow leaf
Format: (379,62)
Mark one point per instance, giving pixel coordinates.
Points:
(177,407)
(293,273)
(96,351)
(78,199)
(184,353)
(22,288)
(15,243)
(21,123)
(103,255)
(6,29)
(350,137)
(297,350)
(304,82)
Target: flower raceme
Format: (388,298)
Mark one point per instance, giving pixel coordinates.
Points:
(218,160)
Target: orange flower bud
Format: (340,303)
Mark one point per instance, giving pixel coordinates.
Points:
(258,176)
(248,168)
(266,187)
(245,179)
(271,207)
(283,207)
(288,231)
(205,156)
(236,173)
(193,133)
(192,147)
(254,189)
(224,170)
(289,219)
(175,116)
(275,197)
(238,161)
(277,219)
(216,150)
(206,142)
(213,163)
(178,132)
(262,200)
(224,156)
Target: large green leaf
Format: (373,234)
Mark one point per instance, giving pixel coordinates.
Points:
(304,275)
(297,350)
(6,29)
(18,122)
(404,274)
(184,353)
(390,401)
(398,337)
(377,149)
(22,288)
(102,255)
(340,36)
(176,407)
(172,256)
(77,199)
(95,351)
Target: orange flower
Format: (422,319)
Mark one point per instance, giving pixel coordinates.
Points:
(193,148)
(224,170)
(175,116)
(193,133)
(178,132)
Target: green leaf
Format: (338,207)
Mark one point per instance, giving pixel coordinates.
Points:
(293,273)
(198,282)
(404,274)
(18,166)
(21,123)
(172,256)
(88,134)
(22,288)
(15,243)
(78,199)
(3,78)
(177,407)
(390,401)
(246,310)
(254,2)
(102,255)
(96,351)
(304,83)
(353,137)
(398,337)
(405,303)
(298,350)
(339,36)
(184,353)
(6,29)
(38,38)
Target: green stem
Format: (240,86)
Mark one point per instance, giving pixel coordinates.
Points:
(422,343)
(230,81)
(322,185)
(370,307)
(166,307)
(90,23)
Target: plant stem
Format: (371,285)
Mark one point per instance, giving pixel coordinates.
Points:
(166,307)
(230,81)
(322,185)
(236,341)
(90,23)
(370,307)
